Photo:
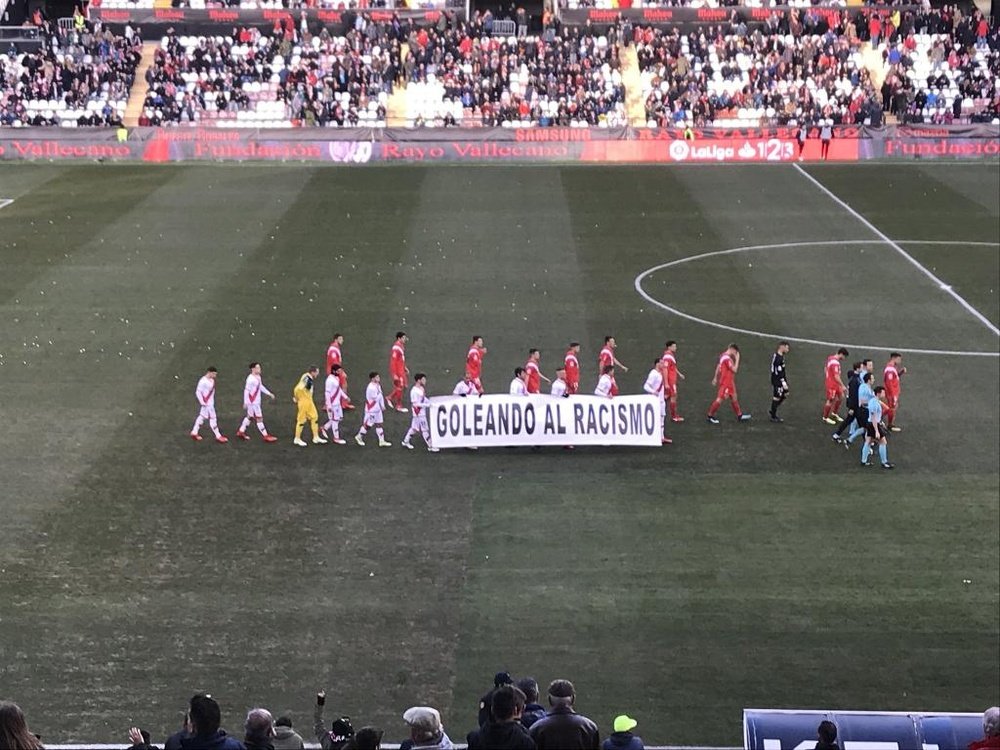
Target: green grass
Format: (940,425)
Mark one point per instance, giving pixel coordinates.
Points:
(746,565)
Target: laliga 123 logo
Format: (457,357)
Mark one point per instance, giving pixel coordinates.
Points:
(679,150)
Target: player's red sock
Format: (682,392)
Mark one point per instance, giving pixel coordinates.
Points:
(836,406)
(673,410)
(826,410)
(714,407)
(397,394)
(736,407)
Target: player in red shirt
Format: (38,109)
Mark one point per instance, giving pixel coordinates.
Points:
(572,364)
(890,378)
(607,359)
(335,357)
(399,372)
(534,374)
(725,379)
(835,388)
(670,375)
(474,363)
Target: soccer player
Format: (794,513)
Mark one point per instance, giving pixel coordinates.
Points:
(571,362)
(464,387)
(302,395)
(835,388)
(399,371)
(671,373)
(779,380)
(865,395)
(655,385)
(853,383)
(607,357)
(374,405)
(252,393)
(205,393)
(875,433)
(725,379)
(334,357)
(606,385)
(418,422)
(519,385)
(559,386)
(890,378)
(334,397)
(474,363)
(534,374)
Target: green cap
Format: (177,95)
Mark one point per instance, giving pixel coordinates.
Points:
(625,723)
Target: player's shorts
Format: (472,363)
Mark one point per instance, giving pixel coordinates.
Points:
(479,385)
(779,391)
(373,416)
(892,401)
(335,411)
(572,387)
(253,411)
(207,412)
(399,380)
(870,431)
(306,413)
(832,392)
(861,415)
(726,391)
(419,422)
(670,390)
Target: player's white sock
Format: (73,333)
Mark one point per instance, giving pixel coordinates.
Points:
(335,429)
(363,431)
(244,424)
(262,428)
(409,434)
(427,436)
(197,425)
(381,435)
(215,427)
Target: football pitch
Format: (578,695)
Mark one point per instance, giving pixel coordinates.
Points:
(745,565)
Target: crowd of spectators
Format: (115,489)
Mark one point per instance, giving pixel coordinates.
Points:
(510,718)
(77,76)
(938,66)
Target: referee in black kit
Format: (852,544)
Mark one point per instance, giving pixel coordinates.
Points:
(779,382)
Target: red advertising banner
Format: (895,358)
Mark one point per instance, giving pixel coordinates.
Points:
(496,145)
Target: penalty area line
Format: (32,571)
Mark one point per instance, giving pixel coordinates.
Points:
(885,238)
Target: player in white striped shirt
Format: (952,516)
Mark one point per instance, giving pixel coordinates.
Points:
(334,397)
(253,392)
(419,403)
(655,385)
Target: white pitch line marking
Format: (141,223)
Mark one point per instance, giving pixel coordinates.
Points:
(799,340)
(4,202)
(916,264)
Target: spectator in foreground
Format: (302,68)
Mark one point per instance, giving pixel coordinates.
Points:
(499,680)
(259,728)
(140,739)
(426,731)
(367,738)
(533,710)
(14,732)
(205,718)
(563,728)
(622,738)
(504,730)
(827,734)
(991,731)
(341,730)
(286,738)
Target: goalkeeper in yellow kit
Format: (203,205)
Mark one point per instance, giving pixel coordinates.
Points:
(303,398)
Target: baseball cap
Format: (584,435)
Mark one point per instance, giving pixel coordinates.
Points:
(502,678)
(625,723)
(423,719)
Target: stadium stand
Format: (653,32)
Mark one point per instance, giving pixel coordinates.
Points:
(76,78)
(933,66)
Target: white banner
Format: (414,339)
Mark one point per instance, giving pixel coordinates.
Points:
(496,420)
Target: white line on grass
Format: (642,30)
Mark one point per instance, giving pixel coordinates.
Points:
(4,202)
(916,264)
(786,245)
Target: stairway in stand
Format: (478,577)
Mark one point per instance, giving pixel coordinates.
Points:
(635,105)
(137,95)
